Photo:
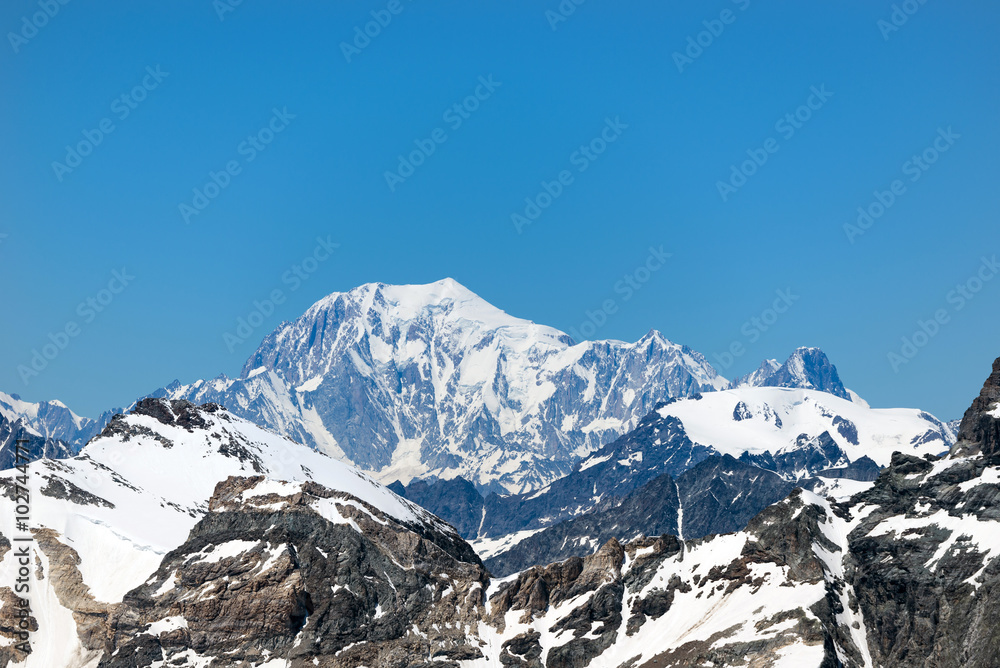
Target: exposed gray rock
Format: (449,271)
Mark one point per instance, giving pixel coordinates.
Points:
(979,431)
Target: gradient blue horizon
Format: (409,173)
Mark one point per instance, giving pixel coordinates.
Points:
(552,91)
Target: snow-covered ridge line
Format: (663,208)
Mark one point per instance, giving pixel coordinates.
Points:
(759,419)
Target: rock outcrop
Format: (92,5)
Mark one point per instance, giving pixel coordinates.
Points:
(300,571)
(979,431)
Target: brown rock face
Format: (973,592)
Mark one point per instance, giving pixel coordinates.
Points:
(305,573)
(979,431)
(67,581)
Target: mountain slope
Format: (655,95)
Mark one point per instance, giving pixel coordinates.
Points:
(432,381)
(903,574)
(103,521)
(794,433)
(718,495)
(298,570)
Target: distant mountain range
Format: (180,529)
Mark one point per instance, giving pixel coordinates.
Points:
(431,382)
(48,429)
(53,420)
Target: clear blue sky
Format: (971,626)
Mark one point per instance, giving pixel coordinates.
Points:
(323,175)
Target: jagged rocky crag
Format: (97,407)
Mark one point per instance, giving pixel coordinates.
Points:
(806,368)
(923,557)
(300,571)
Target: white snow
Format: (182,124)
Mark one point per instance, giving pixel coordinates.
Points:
(488,547)
(594,461)
(227,550)
(708,421)
(310,385)
(166,625)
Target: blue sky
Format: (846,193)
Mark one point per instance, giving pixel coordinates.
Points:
(197,86)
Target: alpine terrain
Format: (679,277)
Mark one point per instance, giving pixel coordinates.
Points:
(186,536)
(749,445)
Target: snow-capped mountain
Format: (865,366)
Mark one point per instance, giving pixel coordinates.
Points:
(103,521)
(52,420)
(805,368)
(432,381)
(734,443)
(777,420)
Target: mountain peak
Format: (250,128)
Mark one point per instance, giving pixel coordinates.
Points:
(442,299)
(756,377)
(432,380)
(807,368)
(979,431)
